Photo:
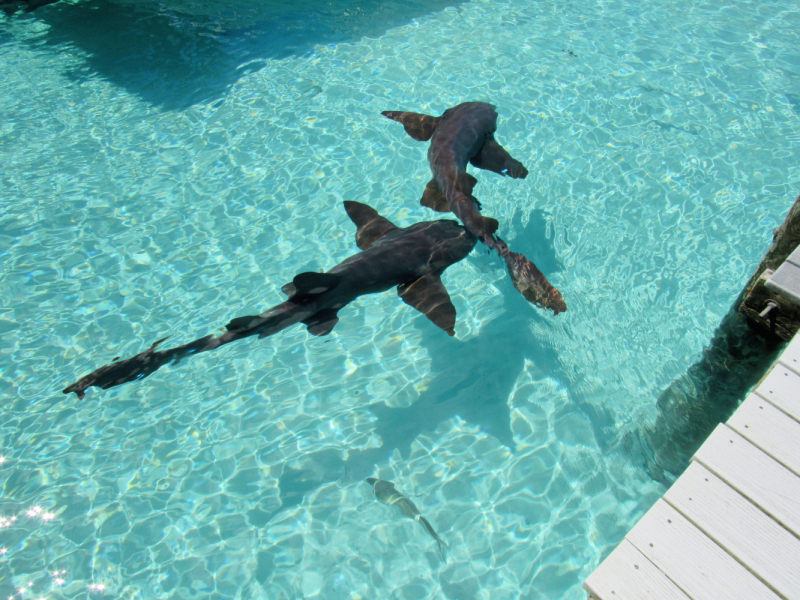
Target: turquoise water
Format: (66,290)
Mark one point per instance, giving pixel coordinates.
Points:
(166,169)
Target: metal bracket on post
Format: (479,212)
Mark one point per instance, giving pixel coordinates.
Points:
(771,310)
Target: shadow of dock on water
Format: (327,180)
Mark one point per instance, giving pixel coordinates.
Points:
(177,54)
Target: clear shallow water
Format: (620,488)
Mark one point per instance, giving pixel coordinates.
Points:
(164,189)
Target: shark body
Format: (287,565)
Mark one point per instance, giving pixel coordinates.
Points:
(386,493)
(411,259)
(462,134)
(465,134)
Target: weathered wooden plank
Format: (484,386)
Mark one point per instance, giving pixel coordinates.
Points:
(763,546)
(697,565)
(791,355)
(626,574)
(782,388)
(786,281)
(769,428)
(751,472)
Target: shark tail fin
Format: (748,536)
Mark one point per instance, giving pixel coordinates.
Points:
(420,127)
(532,283)
(371,226)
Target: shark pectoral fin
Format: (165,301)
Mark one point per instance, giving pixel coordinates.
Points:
(429,296)
(311,284)
(371,226)
(465,182)
(434,198)
(420,127)
(322,322)
(493,157)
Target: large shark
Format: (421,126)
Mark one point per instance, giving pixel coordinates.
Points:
(411,259)
(386,492)
(465,134)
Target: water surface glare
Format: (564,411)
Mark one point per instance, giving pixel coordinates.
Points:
(165,169)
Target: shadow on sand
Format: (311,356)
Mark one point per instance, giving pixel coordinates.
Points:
(472,379)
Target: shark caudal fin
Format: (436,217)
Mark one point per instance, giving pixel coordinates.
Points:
(429,296)
(420,127)
(371,226)
(532,283)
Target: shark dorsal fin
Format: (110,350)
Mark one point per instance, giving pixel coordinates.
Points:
(434,198)
(465,182)
(429,296)
(420,127)
(371,226)
(306,286)
(241,322)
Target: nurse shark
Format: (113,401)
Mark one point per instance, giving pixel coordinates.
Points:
(462,134)
(411,259)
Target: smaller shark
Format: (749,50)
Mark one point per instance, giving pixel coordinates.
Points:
(385,492)
(411,259)
(462,134)
(465,134)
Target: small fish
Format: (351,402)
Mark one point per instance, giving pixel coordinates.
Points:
(385,492)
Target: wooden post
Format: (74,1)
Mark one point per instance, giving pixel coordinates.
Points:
(744,346)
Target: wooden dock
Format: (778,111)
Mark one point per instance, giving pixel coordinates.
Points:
(729,527)
(786,280)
